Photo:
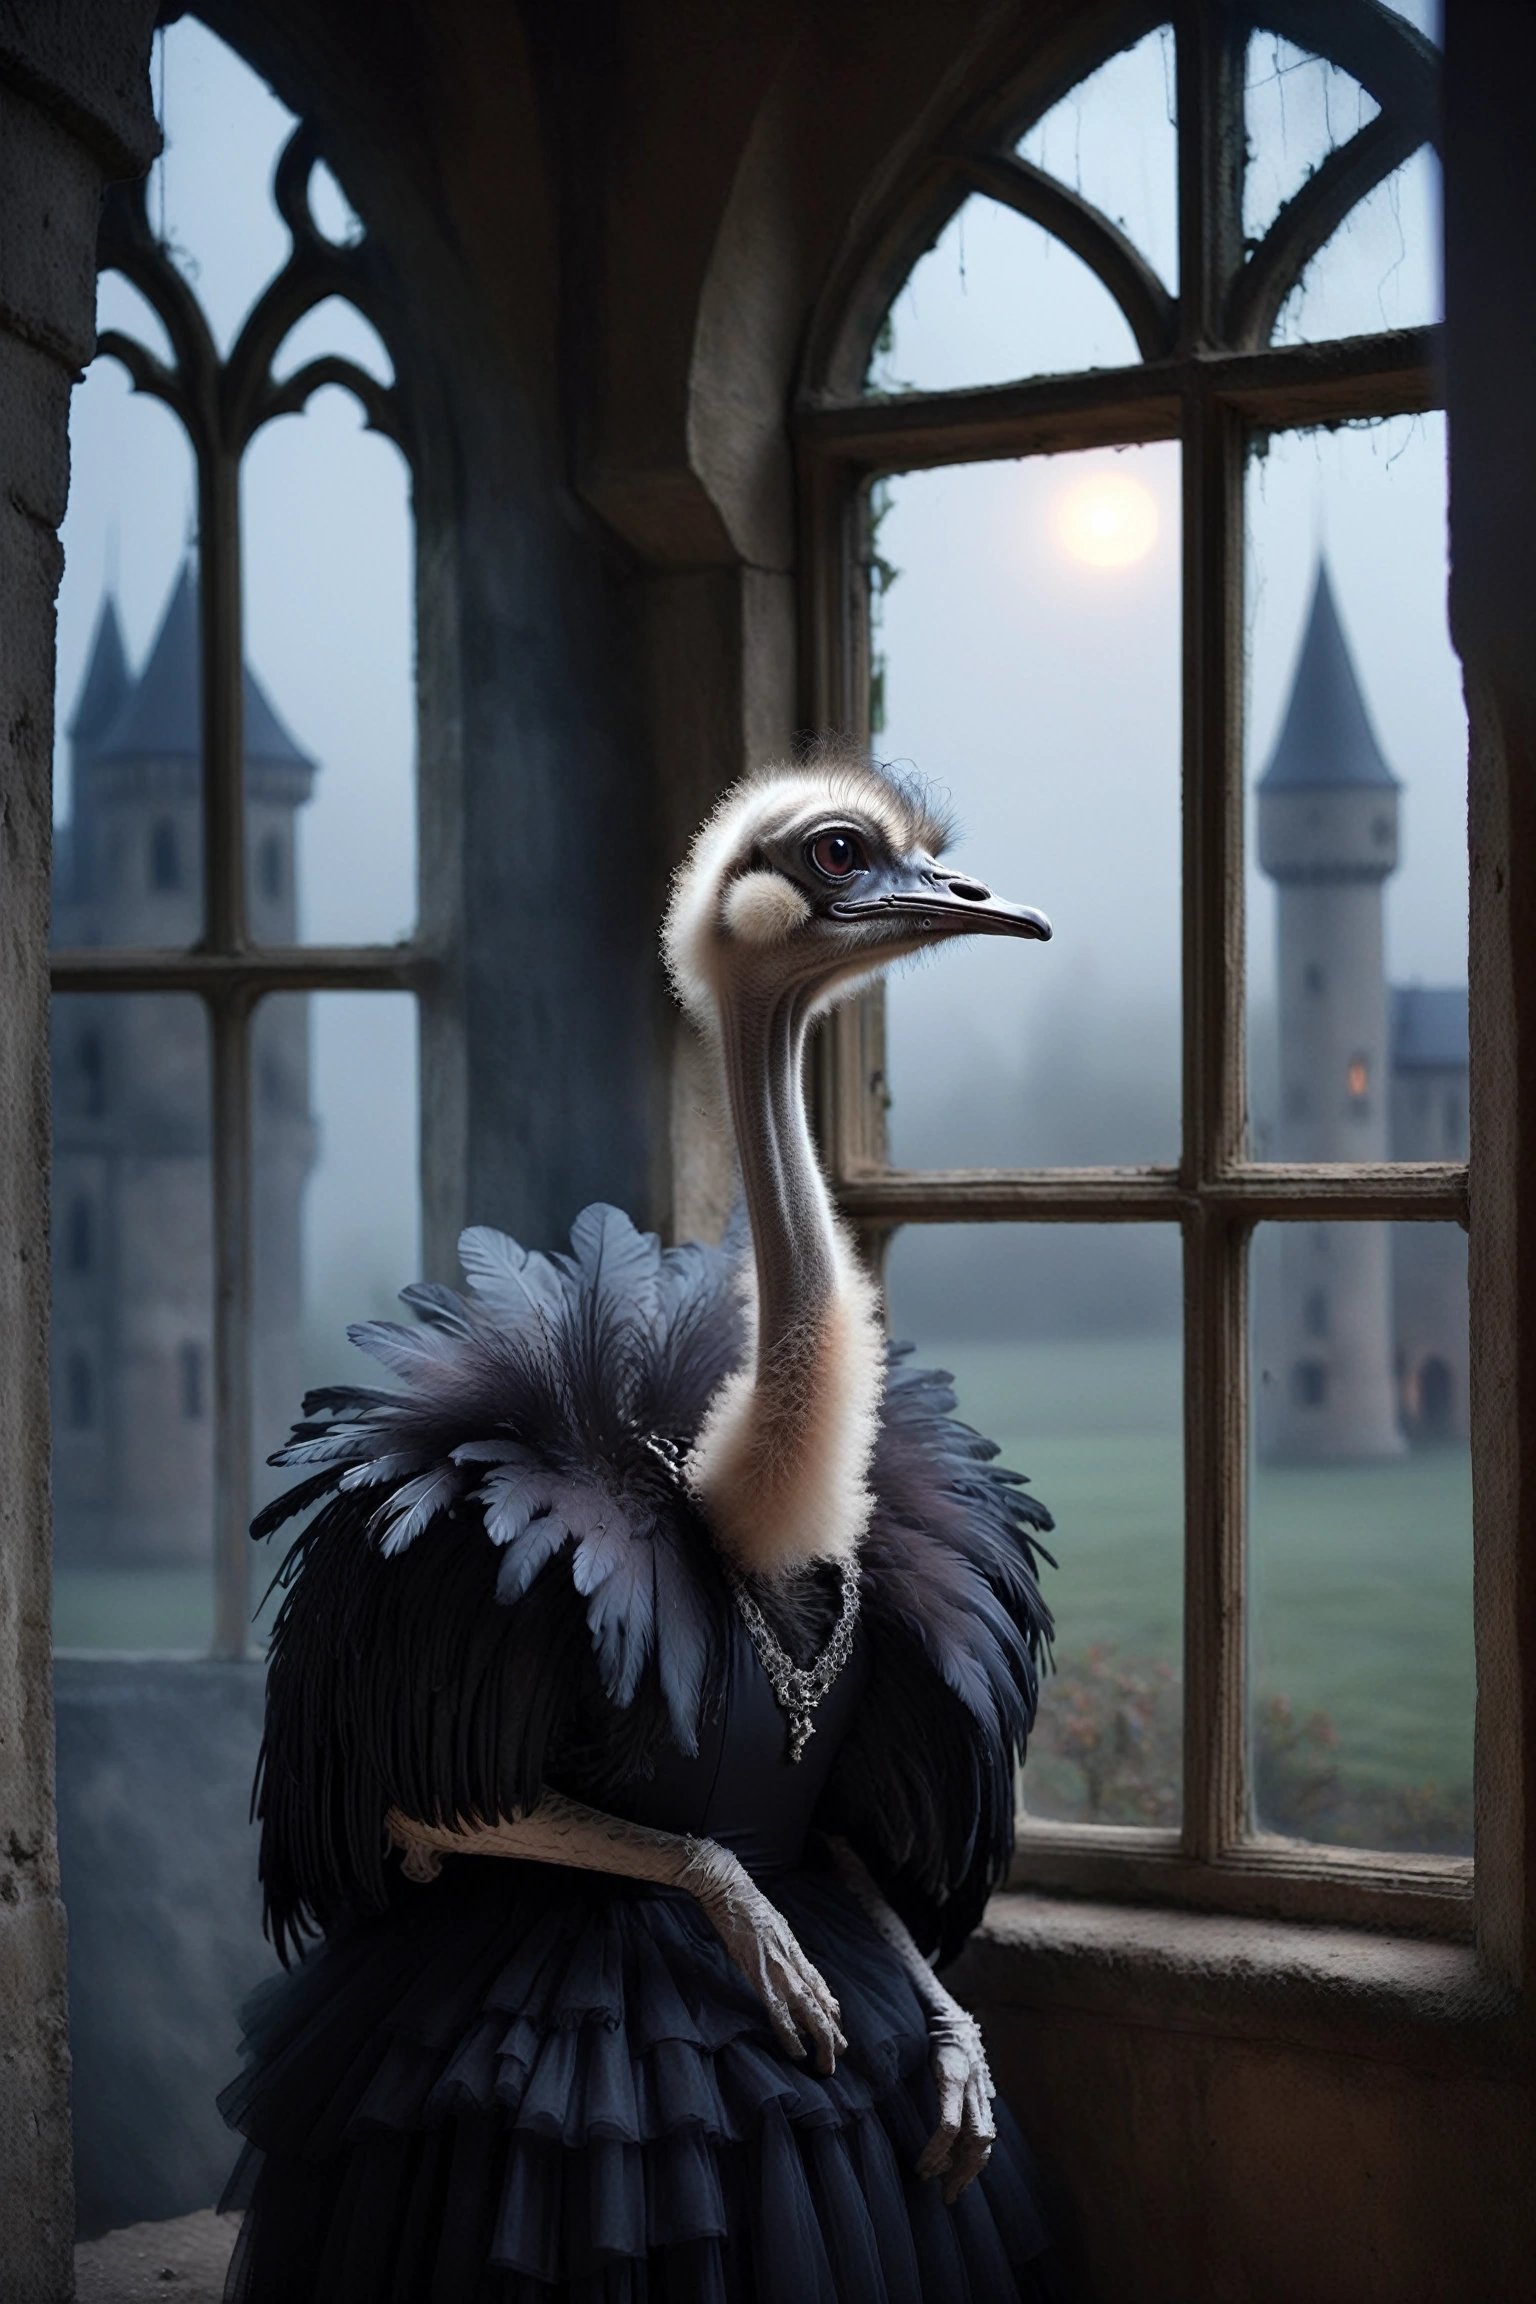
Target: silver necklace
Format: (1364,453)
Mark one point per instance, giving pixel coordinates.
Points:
(799,1688)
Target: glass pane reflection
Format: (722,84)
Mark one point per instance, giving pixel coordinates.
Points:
(1031,665)
(1360,1548)
(1064,1343)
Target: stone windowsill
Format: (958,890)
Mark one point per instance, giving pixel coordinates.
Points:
(1336,1990)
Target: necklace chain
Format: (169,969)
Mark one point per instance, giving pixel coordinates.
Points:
(799,1688)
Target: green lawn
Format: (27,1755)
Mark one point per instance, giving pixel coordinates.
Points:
(1361,1575)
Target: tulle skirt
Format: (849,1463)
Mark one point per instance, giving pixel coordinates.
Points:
(524,2083)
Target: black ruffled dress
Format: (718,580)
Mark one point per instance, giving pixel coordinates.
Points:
(523,2082)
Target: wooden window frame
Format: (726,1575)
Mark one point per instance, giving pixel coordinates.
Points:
(1208,379)
(222,403)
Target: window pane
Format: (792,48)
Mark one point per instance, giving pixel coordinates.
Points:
(331,753)
(995,299)
(1297,109)
(1361,1536)
(1381,269)
(128,865)
(337,1212)
(1029,644)
(132,1323)
(1113,139)
(209,192)
(1357,765)
(1065,1344)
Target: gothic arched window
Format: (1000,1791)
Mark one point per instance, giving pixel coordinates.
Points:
(1118,328)
(260,676)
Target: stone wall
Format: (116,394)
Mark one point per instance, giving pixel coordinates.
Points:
(74,109)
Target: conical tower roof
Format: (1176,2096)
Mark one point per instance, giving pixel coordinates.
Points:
(1327,738)
(162,718)
(105,688)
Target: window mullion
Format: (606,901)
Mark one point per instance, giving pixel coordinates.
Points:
(230,1022)
(1215,1360)
(224,932)
(1215,1370)
(222,640)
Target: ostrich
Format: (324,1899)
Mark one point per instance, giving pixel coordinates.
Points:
(646,1696)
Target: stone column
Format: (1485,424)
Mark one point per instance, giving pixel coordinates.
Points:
(74,111)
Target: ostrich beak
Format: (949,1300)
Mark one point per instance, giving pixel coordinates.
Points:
(928,898)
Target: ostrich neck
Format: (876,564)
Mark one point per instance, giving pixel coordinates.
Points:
(793,1239)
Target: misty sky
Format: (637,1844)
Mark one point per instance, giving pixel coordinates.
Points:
(1041,692)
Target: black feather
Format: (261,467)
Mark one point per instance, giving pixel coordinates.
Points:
(506,1585)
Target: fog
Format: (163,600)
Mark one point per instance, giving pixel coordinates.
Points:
(1041,693)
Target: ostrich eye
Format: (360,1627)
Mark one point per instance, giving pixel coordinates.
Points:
(837,855)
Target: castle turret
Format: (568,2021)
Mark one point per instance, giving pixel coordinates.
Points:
(105,689)
(1328,831)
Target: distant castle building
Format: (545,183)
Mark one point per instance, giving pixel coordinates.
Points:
(132,1197)
(1367,1340)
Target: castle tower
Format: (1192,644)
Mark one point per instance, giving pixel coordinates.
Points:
(1328,826)
(133,1343)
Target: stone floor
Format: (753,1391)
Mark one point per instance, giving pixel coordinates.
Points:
(182,2262)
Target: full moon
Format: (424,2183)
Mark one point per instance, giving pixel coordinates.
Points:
(1108,520)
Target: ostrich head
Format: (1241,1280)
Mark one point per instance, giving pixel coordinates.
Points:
(807,879)
(804,881)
